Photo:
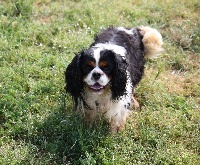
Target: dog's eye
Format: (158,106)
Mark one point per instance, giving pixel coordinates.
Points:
(88,68)
(106,68)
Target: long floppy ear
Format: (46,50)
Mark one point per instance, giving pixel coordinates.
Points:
(73,78)
(119,79)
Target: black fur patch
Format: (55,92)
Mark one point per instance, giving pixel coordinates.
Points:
(133,45)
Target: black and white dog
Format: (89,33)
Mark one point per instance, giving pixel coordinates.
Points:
(101,78)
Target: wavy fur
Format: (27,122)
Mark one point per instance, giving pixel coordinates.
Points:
(101,78)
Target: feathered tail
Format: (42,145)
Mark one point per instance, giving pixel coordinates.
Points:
(152,41)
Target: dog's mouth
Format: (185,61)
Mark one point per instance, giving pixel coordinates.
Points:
(97,87)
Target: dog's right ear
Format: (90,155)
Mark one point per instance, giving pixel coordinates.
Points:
(73,78)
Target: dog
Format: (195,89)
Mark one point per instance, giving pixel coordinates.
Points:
(101,79)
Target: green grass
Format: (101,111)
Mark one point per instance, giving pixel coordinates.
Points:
(38,40)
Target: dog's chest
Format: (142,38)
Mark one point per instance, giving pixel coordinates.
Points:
(99,103)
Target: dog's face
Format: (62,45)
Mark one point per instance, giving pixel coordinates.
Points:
(97,67)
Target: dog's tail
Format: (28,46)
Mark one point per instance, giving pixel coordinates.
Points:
(152,41)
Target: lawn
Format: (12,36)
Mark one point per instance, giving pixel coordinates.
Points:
(38,39)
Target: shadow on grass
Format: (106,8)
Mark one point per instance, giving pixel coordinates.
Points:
(63,137)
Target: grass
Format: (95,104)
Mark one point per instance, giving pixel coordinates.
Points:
(38,39)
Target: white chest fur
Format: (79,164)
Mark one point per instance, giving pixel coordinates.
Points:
(100,105)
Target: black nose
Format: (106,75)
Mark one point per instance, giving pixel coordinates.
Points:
(96,76)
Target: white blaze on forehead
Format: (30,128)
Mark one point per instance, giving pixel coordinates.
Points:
(108,46)
(97,54)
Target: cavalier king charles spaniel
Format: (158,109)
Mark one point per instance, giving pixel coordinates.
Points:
(101,79)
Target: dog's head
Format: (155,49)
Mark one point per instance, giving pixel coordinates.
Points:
(95,69)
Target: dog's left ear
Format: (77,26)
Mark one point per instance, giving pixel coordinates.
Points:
(119,79)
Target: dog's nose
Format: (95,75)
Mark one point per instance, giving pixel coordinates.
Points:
(96,76)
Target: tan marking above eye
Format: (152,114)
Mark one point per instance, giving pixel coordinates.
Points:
(103,64)
(91,63)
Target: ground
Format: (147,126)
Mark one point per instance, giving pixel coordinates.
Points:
(38,39)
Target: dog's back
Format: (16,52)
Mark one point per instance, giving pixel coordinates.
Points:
(131,40)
